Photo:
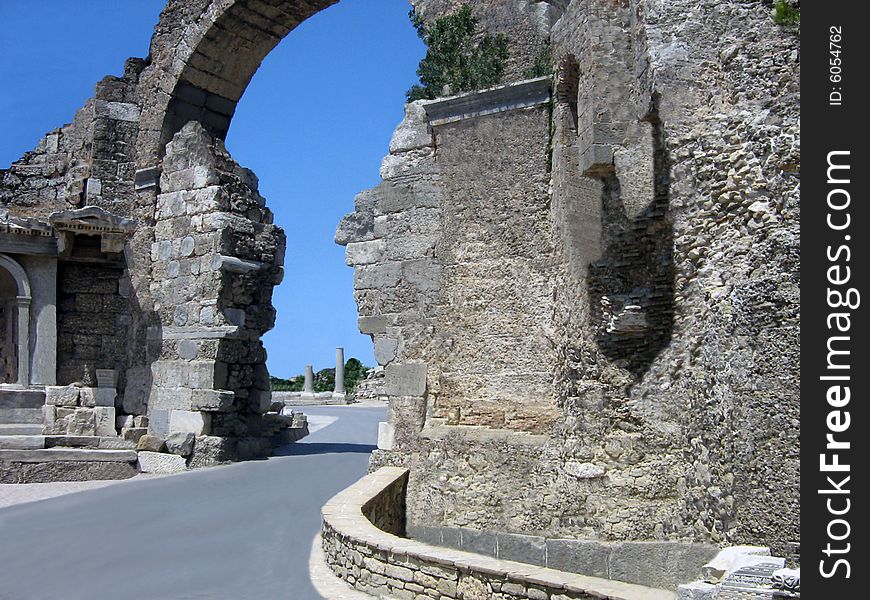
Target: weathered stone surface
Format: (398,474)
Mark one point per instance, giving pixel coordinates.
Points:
(133,434)
(104,421)
(212,400)
(65,471)
(104,396)
(156,462)
(579,556)
(180,443)
(61,395)
(151,443)
(185,421)
(698,590)
(405,379)
(212,450)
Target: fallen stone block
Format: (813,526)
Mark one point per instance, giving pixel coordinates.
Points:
(697,590)
(727,560)
(180,443)
(104,421)
(156,462)
(151,443)
(133,434)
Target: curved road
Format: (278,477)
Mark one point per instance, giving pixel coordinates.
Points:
(240,531)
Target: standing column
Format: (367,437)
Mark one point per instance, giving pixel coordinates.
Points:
(339,370)
(23,340)
(309,380)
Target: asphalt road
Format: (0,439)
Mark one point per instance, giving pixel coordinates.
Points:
(240,531)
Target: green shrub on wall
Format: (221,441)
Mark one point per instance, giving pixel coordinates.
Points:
(541,66)
(458,56)
(786,13)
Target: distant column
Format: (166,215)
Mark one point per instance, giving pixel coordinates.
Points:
(309,380)
(339,370)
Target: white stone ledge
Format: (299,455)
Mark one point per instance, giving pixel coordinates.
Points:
(511,96)
(343,514)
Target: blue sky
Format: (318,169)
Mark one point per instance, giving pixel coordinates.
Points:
(314,125)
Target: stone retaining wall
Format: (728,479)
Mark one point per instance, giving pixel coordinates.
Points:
(663,564)
(381,563)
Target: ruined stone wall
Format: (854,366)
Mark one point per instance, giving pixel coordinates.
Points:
(93,320)
(214,266)
(728,80)
(675,149)
(492,357)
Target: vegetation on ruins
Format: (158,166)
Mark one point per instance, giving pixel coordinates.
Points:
(541,66)
(458,56)
(786,13)
(324,380)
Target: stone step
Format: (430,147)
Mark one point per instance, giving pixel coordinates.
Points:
(20,429)
(23,398)
(21,415)
(21,442)
(68,455)
(88,441)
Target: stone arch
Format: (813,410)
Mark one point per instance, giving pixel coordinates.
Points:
(202,62)
(21,315)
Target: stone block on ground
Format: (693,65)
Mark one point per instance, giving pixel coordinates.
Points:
(180,443)
(157,462)
(697,590)
(133,434)
(104,421)
(151,443)
(728,559)
(213,450)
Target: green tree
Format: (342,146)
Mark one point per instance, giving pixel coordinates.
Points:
(457,56)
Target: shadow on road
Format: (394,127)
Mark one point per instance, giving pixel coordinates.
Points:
(323,448)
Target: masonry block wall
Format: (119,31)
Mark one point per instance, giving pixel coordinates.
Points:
(214,266)
(646,219)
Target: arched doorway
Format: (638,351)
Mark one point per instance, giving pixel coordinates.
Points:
(15,301)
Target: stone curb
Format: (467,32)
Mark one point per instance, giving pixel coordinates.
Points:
(325,582)
(345,525)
